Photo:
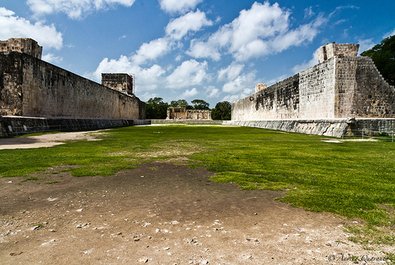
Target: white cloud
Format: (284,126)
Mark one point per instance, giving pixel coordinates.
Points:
(72,8)
(365,44)
(389,34)
(189,93)
(192,21)
(51,58)
(13,26)
(212,92)
(147,79)
(245,82)
(259,31)
(189,73)
(303,66)
(178,6)
(200,49)
(231,72)
(152,50)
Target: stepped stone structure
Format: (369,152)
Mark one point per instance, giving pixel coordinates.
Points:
(30,87)
(325,99)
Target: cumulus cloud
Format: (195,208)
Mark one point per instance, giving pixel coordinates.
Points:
(365,44)
(13,26)
(147,79)
(303,66)
(240,84)
(231,72)
(51,58)
(178,6)
(212,92)
(73,8)
(151,50)
(189,93)
(192,21)
(261,30)
(189,73)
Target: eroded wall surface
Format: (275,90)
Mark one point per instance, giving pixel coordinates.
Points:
(32,87)
(336,88)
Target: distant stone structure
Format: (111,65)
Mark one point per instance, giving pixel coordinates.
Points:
(31,87)
(260,87)
(120,82)
(342,87)
(22,45)
(181,113)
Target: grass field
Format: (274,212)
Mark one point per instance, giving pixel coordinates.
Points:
(352,179)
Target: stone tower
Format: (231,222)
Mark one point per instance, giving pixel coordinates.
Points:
(22,45)
(119,82)
(333,49)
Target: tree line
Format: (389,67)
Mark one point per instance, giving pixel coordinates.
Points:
(156,108)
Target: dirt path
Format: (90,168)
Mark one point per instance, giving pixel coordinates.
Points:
(46,140)
(160,214)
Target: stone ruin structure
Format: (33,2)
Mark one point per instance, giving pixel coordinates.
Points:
(181,113)
(30,87)
(26,46)
(260,87)
(342,94)
(120,82)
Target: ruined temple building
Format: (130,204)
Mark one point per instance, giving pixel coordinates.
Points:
(343,94)
(181,113)
(31,87)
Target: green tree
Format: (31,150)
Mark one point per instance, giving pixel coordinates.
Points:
(180,103)
(155,108)
(200,104)
(222,111)
(383,55)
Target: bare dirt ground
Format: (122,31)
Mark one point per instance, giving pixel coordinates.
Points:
(162,213)
(46,140)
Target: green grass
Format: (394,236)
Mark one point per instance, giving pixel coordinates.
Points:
(352,179)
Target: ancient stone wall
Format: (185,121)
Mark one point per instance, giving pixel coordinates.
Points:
(317,93)
(119,82)
(32,87)
(279,101)
(339,50)
(181,113)
(22,45)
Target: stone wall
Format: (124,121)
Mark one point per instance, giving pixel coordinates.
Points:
(181,113)
(342,86)
(279,101)
(13,126)
(119,82)
(32,87)
(317,91)
(326,127)
(340,50)
(21,45)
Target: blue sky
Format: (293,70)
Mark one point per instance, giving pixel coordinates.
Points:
(186,49)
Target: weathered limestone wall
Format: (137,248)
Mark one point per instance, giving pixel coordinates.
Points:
(339,50)
(333,128)
(279,101)
(11,80)
(32,87)
(119,82)
(13,126)
(317,91)
(181,113)
(341,86)
(326,127)
(22,45)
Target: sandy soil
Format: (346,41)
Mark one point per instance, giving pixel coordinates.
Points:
(46,140)
(161,213)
